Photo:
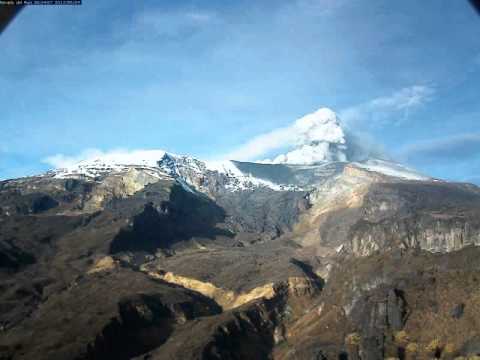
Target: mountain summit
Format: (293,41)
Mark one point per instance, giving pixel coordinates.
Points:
(317,254)
(317,140)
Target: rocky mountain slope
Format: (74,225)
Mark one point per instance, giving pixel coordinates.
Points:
(317,254)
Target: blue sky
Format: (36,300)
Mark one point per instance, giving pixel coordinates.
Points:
(205,77)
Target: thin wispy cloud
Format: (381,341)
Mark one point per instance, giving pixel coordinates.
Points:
(475,179)
(393,109)
(321,7)
(455,157)
(476,59)
(319,126)
(262,144)
(462,147)
(169,73)
(172,23)
(201,17)
(66,161)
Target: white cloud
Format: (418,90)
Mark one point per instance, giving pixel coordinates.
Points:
(66,161)
(317,135)
(261,145)
(394,108)
(319,126)
(116,156)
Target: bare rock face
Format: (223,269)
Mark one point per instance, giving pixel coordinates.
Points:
(361,215)
(186,260)
(118,185)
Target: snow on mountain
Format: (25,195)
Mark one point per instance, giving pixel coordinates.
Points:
(99,164)
(320,138)
(391,169)
(320,141)
(189,169)
(245,179)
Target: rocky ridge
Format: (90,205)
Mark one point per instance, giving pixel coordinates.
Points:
(170,257)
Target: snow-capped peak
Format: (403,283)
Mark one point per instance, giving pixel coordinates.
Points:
(99,163)
(321,149)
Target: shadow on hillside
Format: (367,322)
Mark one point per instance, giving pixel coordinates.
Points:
(184,216)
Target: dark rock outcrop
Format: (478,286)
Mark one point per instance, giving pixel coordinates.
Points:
(191,263)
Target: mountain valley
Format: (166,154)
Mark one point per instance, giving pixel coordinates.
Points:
(317,254)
